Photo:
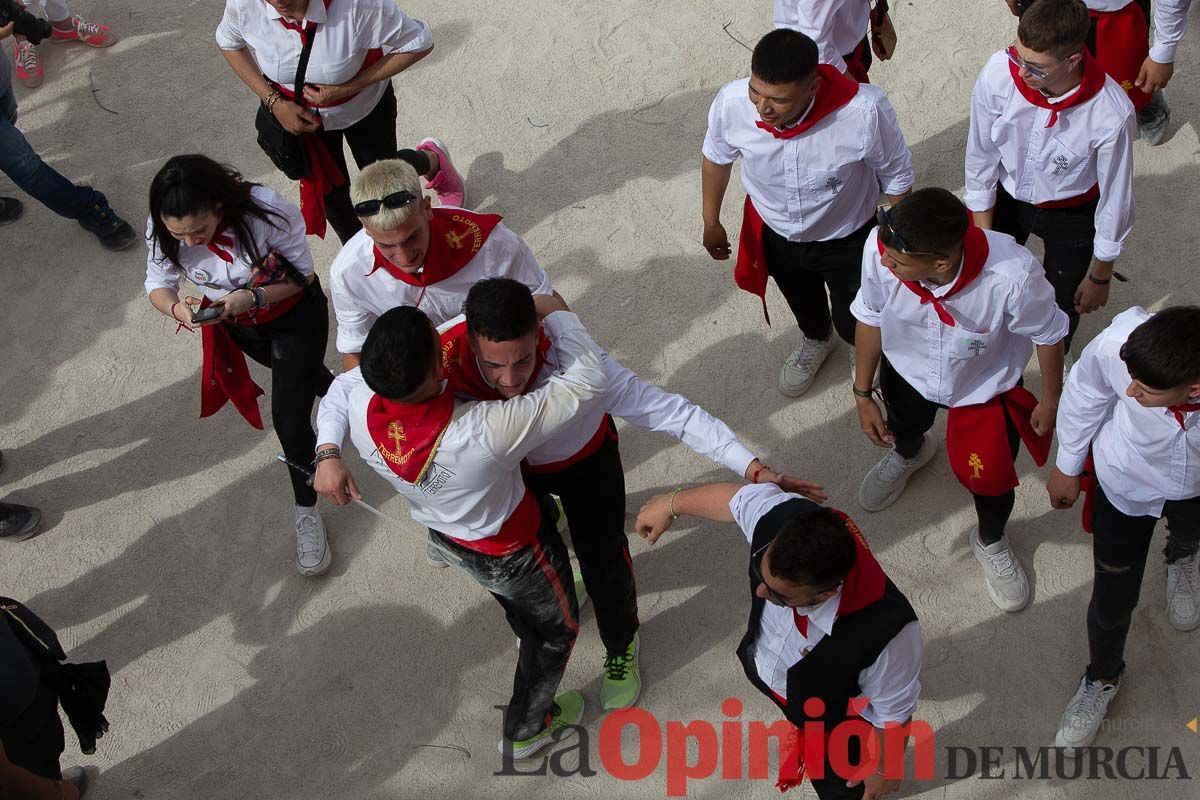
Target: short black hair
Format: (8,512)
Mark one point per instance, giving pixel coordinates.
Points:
(1164,351)
(399,353)
(500,310)
(784,56)
(930,220)
(816,550)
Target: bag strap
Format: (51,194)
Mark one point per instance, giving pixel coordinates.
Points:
(310,35)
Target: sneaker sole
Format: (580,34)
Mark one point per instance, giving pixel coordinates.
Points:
(996,598)
(1183,627)
(440,145)
(319,569)
(533,749)
(894,496)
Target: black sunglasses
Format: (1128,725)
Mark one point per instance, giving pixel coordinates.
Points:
(369,208)
(756,566)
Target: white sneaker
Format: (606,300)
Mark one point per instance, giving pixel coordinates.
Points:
(1006,581)
(800,368)
(434,556)
(1081,721)
(313,555)
(1183,593)
(884,484)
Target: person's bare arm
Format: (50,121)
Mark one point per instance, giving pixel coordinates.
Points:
(983,219)
(296,119)
(714,180)
(1050,360)
(710,501)
(350,361)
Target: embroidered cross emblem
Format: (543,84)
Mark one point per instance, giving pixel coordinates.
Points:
(1060,164)
(832,183)
(455,240)
(976,465)
(395,432)
(976,346)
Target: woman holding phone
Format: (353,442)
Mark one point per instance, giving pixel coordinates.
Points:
(245,247)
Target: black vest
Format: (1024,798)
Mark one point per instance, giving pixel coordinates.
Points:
(830,670)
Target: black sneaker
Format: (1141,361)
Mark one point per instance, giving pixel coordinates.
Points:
(113,232)
(18,523)
(1153,119)
(11,210)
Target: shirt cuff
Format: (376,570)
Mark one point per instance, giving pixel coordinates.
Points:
(865,315)
(228,42)
(1163,53)
(1106,249)
(738,458)
(332,432)
(1069,462)
(348,343)
(900,184)
(559,322)
(980,199)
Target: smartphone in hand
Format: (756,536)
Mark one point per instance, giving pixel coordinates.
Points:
(208,313)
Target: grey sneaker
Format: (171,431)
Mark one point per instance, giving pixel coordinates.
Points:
(886,481)
(434,556)
(800,368)
(1081,721)
(1183,593)
(1152,121)
(313,555)
(1006,581)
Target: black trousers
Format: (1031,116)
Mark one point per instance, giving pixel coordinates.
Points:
(535,588)
(35,740)
(1068,237)
(593,497)
(293,346)
(804,270)
(1120,545)
(910,415)
(371,138)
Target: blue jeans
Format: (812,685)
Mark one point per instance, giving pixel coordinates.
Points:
(27,170)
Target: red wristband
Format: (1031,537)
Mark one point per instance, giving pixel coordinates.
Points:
(754,475)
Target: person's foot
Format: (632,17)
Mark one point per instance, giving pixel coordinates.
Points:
(447,184)
(1085,713)
(93,34)
(11,210)
(568,710)
(102,222)
(80,777)
(313,555)
(17,522)
(434,556)
(1152,121)
(800,368)
(622,678)
(1183,593)
(884,484)
(27,64)
(1006,581)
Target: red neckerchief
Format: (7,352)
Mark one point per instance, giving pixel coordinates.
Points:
(975,253)
(407,435)
(1182,410)
(834,92)
(220,245)
(1091,83)
(460,366)
(455,236)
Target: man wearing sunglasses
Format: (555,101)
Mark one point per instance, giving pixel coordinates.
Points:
(951,314)
(411,254)
(815,147)
(825,620)
(1050,153)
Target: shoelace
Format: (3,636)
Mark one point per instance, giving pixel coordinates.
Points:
(616,668)
(1187,577)
(86,29)
(804,357)
(308,536)
(27,58)
(893,467)
(1002,563)
(1088,706)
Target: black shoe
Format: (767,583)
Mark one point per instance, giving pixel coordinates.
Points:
(11,210)
(113,232)
(18,523)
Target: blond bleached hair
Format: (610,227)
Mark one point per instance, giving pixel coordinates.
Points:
(376,181)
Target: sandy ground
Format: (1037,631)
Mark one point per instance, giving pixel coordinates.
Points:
(168,548)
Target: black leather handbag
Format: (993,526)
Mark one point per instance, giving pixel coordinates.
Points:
(284,148)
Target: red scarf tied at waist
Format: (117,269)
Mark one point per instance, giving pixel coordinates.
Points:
(863,586)
(1122,44)
(407,435)
(977,441)
(455,236)
(1090,85)
(975,254)
(750,269)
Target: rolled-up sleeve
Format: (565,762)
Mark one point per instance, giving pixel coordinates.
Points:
(1170,23)
(983,156)
(229,30)
(715,148)
(289,237)
(1086,399)
(1114,174)
(1033,311)
(868,304)
(333,414)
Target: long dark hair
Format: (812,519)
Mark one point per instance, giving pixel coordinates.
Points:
(194,184)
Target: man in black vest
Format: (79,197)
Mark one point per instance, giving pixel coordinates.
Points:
(825,622)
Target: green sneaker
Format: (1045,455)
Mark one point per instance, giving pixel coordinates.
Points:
(622,680)
(568,710)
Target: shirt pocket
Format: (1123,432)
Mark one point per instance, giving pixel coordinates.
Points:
(825,185)
(971,342)
(1060,164)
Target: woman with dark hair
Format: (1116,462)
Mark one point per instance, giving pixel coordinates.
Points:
(245,246)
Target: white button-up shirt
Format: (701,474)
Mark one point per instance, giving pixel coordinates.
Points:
(999,317)
(625,395)
(824,183)
(217,277)
(361,296)
(1142,457)
(892,682)
(1170,23)
(474,482)
(346,32)
(1090,144)
(837,26)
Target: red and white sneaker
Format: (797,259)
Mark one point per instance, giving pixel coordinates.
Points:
(27,64)
(448,184)
(93,34)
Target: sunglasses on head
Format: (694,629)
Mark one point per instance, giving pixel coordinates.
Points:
(369,208)
(889,236)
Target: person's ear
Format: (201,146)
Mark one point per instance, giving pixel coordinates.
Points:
(1194,391)
(427,208)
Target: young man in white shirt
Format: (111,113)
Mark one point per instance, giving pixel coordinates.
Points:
(411,254)
(1050,153)
(496,351)
(1128,423)
(815,147)
(826,622)
(459,466)
(1119,39)
(956,312)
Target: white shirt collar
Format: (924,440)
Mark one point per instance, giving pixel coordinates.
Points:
(316,13)
(825,614)
(807,111)
(938,291)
